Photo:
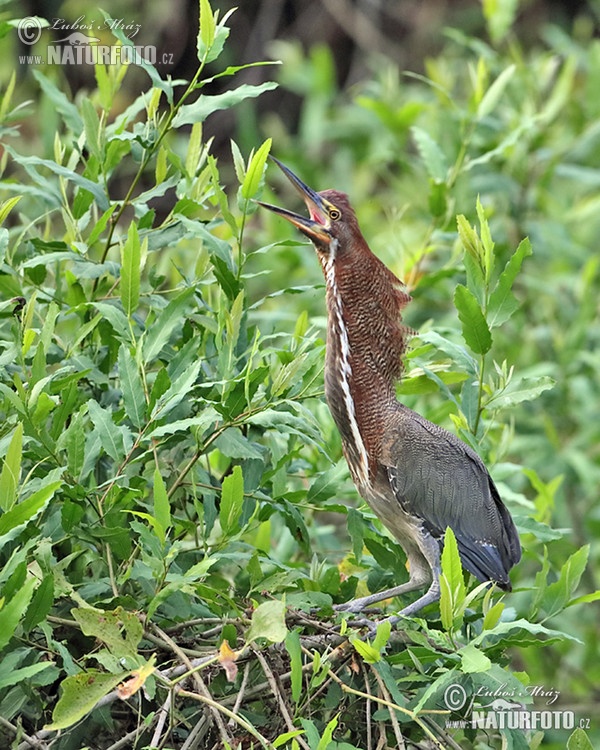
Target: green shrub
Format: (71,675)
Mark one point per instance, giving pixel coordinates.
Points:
(172,493)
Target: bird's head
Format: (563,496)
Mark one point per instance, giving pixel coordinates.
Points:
(332,224)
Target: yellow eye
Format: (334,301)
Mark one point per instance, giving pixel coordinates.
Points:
(334,214)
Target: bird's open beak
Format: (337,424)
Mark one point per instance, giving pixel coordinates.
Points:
(315,227)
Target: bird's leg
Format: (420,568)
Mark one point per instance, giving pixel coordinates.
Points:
(420,575)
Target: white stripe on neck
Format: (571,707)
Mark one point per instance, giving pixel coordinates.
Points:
(345,372)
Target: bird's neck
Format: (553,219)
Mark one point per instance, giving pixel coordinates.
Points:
(365,343)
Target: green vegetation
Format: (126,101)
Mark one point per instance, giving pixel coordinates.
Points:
(176,519)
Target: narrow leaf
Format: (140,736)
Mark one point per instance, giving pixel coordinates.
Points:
(130,271)
(27,510)
(11,470)
(433,157)
(256,168)
(495,91)
(232,500)
(473,660)
(520,389)
(206,33)
(112,437)
(294,649)
(502,303)
(452,582)
(157,335)
(205,105)
(13,612)
(134,400)
(557,595)
(475,329)
(162,508)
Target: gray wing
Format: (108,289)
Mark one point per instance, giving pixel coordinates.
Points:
(440,480)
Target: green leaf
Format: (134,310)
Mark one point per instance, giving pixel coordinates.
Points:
(233,444)
(79,695)
(130,271)
(41,603)
(13,611)
(205,105)
(433,157)
(61,103)
(327,483)
(11,470)
(283,739)
(452,583)
(134,399)
(518,390)
(30,162)
(520,633)
(268,621)
(255,172)
(502,302)
(206,33)
(294,649)
(119,629)
(558,594)
(116,318)
(495,91)
(19,676)
(115,440)
(158,334)
(579,741)
(27,510)
(475,329)
(473,660)
(162,507)
(232,501)
(499,16)
(366,650)
(7,206)
(73,441)
(327,735)
(177,391)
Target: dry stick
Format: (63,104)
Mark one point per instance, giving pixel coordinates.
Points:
(411,714)
(200,684)
(124,741)
(31,741)
(163,714)
(220,707)
(240,694)
(272,680)
(393,718)
(367,707)
(196,735)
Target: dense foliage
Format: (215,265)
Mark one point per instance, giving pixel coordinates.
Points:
(176,519)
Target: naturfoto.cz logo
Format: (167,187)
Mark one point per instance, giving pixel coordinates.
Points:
(503,711)
(80,47)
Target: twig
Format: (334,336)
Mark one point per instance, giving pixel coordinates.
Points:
(31,741)
(125,740)
(272,680)
(367,707)
(197,734)
(393,718)
(411,714)
(220,707)
(200,684)
(241,692)
(163,714)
